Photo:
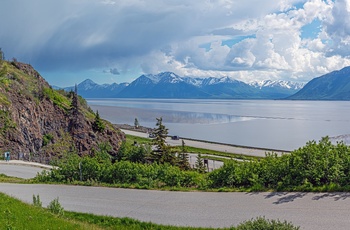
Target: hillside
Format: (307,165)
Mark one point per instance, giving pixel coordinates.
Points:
(41,122)
(331,86)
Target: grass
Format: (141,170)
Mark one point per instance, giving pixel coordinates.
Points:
(18,215)
(141,140)
(220,154)
(8,179)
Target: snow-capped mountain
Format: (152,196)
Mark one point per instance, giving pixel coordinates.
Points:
(279,83)
(90,89)
(171,85)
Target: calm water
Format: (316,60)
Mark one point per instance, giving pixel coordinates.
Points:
(285,125)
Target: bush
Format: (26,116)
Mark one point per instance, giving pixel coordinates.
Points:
(261,223)
(36,201)
(55,207)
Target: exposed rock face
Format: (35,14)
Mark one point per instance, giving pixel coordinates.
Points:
(38,121)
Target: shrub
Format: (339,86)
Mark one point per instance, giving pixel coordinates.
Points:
(55,207)
(36,201)
(261,223)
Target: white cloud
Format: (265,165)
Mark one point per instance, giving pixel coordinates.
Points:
(337,28)
(181,36)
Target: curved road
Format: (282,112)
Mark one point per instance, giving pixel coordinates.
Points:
(205,209)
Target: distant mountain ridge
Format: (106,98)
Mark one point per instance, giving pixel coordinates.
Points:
(90,89)
(171,85)
(331,86)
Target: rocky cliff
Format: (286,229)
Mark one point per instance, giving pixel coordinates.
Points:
(39,122)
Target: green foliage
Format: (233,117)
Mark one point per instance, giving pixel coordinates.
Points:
(312,166)
(36,201)
(47,138)
(315,167)
(57,98)
(2,56)
(18,215)
(261,223)
(6,122)
(182,156)
(98,125)
(136,123)
(55,207)
(95,170)
(200,167)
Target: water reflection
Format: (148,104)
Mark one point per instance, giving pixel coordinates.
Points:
(127,115)
(284,125)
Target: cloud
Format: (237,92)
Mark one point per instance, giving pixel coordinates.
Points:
(277,46)
(114,71)
(186,37)
(337,29)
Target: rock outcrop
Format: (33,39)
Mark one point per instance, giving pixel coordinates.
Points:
(39,122)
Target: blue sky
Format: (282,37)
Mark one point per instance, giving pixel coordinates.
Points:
(108,41)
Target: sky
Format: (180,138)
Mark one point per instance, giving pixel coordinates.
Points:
(109,41)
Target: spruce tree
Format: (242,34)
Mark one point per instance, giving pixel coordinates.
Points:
(98,123)
(183,157)
(200,167)
(2,57)
(162,154)
(136,123)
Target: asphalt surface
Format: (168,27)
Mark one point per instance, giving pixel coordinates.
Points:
(21,169)
(212,146)
(204,209)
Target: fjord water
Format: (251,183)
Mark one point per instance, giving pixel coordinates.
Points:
(274,124)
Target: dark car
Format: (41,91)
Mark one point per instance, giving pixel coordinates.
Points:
(175,138)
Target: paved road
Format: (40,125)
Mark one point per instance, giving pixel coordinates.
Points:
(21,169)
(308,210)
(211,146)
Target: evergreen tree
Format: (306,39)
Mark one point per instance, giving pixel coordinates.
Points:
(98,124)
(136,123)
(183,157)
(1,55)
(200,167)
(162,153)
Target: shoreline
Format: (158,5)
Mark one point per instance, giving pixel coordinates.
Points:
(230,148)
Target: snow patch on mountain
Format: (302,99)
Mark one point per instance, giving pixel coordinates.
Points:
(277,83)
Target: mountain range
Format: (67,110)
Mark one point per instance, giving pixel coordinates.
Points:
(170,85)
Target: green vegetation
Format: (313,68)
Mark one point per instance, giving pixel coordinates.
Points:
(18,215)
(59,98)
(36,201)
(47,138)
(6,179)
(6,122)
(55,207)
(141,140)
(315,167)
(98,124)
